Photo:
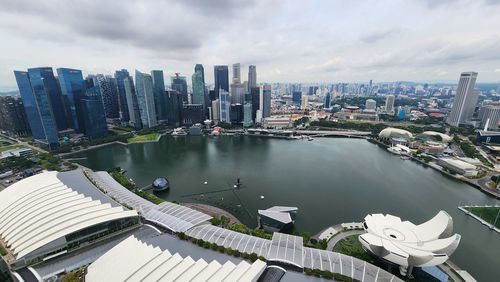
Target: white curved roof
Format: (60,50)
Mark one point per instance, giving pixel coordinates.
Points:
(404,243)
(152,264)
(391,132)
(45,207)
(445,137)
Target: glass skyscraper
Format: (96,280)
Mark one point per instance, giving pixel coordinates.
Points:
(72,89)
(108,90)
(132,103)
(145,98)
(198,85)
(221,76)
(225,104)
(159,93)
(266,101)
(38,109)
(120,76)
(174,107)
(179,84)
(94,118)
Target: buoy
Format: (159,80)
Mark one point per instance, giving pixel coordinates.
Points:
(262,197)
(205,183)
(235,186)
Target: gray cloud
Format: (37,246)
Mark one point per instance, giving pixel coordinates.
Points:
(376,36)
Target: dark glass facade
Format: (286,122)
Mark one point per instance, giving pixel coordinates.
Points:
(159,93)
(192,113)
(179,84)
(94,118)
(109,92)
(236,113)
(120,76)
(255,92)
(174,107)
(297,97)
(13,118)
(72,89)
(221,79)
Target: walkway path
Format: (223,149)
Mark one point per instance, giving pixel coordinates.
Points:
(342,235)
(212,211)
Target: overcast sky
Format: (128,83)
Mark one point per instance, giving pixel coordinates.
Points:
(289,41)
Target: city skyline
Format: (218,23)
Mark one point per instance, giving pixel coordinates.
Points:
(320,42)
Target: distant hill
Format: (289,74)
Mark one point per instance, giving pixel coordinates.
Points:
(10,93)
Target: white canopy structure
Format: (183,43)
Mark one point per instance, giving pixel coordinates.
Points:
(52,212)
(406,244)
(134,260)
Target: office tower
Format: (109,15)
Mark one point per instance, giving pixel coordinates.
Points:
(221,77)
(211,95)
(215,110)
(247,114)
(328,100)
(109,92)
(296,97)
(93,118)
(174,107)
(198,82)
(465,99)
(490,116)
(192,113)
(72,89)
(252,77)
(120,76)
(236,73)
(265,101)
(312,90)
(179,84)
(38,108)
(304,102)
(389,103)
(236,113)
(255,93)
(370,105)
(237,93)
(145,98)
(132,104)
(13,118)
(224,103)
(159,94)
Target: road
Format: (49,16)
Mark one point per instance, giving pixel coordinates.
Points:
(22,143)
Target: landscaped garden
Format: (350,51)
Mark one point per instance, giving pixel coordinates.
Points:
(352,247)
(146,137)
(488,214)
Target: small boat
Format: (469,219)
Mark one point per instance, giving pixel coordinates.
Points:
(160,184)
(179,132)
(205,182)
(309,138)
(261,197)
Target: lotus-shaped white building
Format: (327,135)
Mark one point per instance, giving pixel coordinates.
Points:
(406,244)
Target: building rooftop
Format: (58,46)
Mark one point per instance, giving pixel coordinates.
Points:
(458,163)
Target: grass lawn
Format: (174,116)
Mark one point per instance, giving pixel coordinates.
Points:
(10,147)
(352,247)
(3,252)
(488,214)
(146,137)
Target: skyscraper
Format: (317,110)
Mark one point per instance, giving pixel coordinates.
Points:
(13,116)
(179,84)
(236,73)
(221,79)
(389,103)
(120,76)
(265,102)
(174,107)
(465,99)
(255,93)
(252,77)
(191,114)
(108,89)
(93,118)
(159,93)
(198,82)
(224,106)
(72,89)
(145,98)
(132,104)
(370,104)
(490,116)
(328,100)
(237,93)
(38,109)
(296,97)
(247,115)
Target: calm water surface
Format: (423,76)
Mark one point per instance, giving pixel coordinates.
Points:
(330,180)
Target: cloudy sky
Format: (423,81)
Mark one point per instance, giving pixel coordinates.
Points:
(289,41)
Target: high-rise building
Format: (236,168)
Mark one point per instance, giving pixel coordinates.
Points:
(93,121)
(296,97)
(304,102)
(255,94)
(465,100)
(13,118)
(236,73)
(38,108)
(192,113)
(198,82)
(370,104)
(328,100)
(120,76)
(221,79)
(109,92)
(389,103)
(236,113)
(252,77)
(237,93)
(490,116)
(224,103)
(312,90)
(159,93)
(72,89)
(247,115)
(215,110)
(179,84)
(265,102)
(132,104)
(174,107)
(145,98)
